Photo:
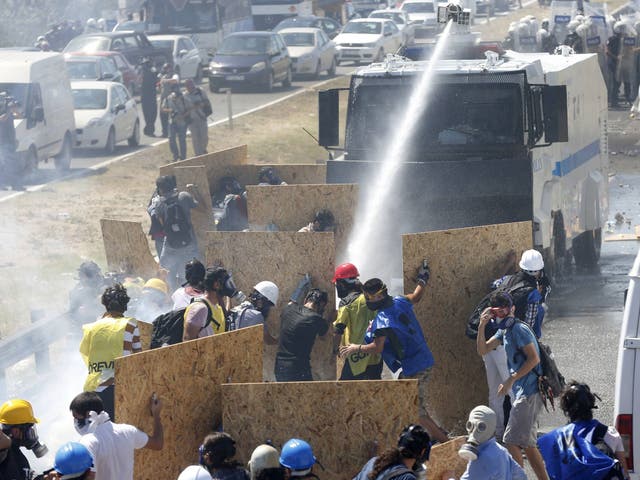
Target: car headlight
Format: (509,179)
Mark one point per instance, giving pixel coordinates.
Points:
(96,122)
(258,66)
(214,65)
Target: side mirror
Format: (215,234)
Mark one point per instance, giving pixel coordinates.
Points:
(107,76)
(182,53)
(118,108)
(328,118)
(554,111)
(38,114)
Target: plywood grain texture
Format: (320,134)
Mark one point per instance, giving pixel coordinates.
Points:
(283,258)
(339,419)
(127,248)
(291,207)
(229,156)
(187,377)
(463,264)
(145,329)
(201,218)
(444,457)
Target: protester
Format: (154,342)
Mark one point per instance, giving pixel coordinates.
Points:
(154,300)
(167,81)
(607,455)
(194,472)
(396,334)
(269,176)
(112,445)
(84,298)
(265,464)
(194,272)
(404,462)
(17,423)
(148,96)
(299,326)
(9,165)
(255,310)
(109,337)
(323,221)
(178,108)
(523,358)
(200,109)
(297,459)
(351,325)
(206,317)
(73,460)
(488,460)
(216,455)
(231,198)
(156,230)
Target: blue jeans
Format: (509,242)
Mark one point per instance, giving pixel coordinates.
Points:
(179,148)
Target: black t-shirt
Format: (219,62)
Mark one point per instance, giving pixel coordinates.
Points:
(15,465)
(298,329)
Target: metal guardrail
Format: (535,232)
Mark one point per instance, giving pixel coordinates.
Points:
(32,340)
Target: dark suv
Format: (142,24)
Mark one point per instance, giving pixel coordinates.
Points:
(250,59)
(133,45)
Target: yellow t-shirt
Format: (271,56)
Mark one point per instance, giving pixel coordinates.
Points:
(199,317)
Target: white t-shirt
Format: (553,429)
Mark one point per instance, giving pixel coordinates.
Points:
(112,446)
(182,298)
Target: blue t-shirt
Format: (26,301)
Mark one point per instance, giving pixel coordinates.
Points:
(514,340)
(494,463)
(404,344)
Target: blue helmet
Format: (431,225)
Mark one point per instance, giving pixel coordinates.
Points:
(297,455)
(72,459)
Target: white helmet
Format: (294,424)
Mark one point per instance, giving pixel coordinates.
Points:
(194,472)
(263,457)
(269,290)
(91,23)
(579,18)
(572,26)
(531,261)
(102,23)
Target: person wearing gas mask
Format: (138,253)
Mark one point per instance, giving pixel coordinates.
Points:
(405,462)
(269,176)
(217,284)
(323,221)
(299,326)
(217,454)
(488,460)
(255,309)
(112,445)
(18,431)
(351,324)
(84,298)
(396,334)
(523,359)
(194,272)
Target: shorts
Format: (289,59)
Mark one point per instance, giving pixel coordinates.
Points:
(522,428)
(423,380)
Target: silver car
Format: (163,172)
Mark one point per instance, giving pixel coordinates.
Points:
(187,61)
(311,51)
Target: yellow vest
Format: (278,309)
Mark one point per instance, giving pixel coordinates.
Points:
(216,312)
(102,343)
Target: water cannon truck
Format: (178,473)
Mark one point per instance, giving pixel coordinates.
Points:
(507,138)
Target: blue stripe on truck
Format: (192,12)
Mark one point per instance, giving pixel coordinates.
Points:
(567,165)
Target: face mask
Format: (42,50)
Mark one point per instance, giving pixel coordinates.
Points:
(30,442)
(228,287)
(376,305)
(81,425)
(481,426)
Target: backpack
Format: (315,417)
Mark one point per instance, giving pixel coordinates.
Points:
(177,228)
(206,105)
(571,456)
(234,214)
(516,286)
(234,317)
(168,328)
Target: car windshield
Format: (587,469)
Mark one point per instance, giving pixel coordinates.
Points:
(373,28)
(87,44)
(299,39)
(244,45)
(82,70)
(294,22)
(89,99)
(423,7)
(396,17)
(163,44)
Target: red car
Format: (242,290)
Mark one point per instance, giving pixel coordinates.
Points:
(131,77)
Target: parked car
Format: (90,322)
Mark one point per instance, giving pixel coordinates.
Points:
(130,25)
(133,45)
(251,59)
(91,67)
(368,40)
(327,25)
(423,15)
(131,76)
(401,19)
(311,51)
(187,61)
(105,115)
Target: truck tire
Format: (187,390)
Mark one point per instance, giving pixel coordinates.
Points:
(63,159)
(556,254)
(586,248)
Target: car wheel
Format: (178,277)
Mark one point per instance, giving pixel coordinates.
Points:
(134,139)
(110,146)
(30,161)
(63,159)
(213,88)
(269,86)
(286,83)
(316,74)
(198,77)
(379,56)
(332,69)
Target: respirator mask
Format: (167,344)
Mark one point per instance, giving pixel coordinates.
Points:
(504,319)
(378,304)
(481,427)
(229,289)
(31,442)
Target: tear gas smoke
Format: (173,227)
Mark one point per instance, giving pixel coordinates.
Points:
(370,218)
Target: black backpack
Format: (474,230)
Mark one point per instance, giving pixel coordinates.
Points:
(168,328)
(176,225)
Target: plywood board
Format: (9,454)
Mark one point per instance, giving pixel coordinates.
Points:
(340,420)
(145,329)
(229,156)
(283,258)
(127,248)
(187,377)
(201,218)
(619,237)
(463,263)
(291,207)
(444,458)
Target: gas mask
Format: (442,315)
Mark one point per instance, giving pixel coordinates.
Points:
(228,288)
(345,286)
(503,323)
(89,424)
(481,427)
(31,442)
(378,304)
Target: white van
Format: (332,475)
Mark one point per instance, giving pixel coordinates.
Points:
(45,125)
(627,402)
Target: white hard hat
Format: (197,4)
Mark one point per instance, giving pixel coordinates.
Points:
(579,18)
(263,457)
(194,472)
(531,261)
(91,22)
(572,25)
(269,290)
(619,27)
